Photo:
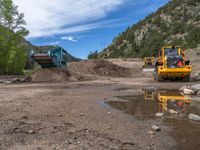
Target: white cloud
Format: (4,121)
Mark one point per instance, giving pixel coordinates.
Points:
(52,43)
(56,43)
(69,38)
(50,17)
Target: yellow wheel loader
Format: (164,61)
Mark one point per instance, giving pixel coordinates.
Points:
(149,62)
(172,64)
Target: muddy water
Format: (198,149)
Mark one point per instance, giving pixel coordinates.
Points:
(185,132)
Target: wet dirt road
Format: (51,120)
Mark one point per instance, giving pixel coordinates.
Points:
(104,114)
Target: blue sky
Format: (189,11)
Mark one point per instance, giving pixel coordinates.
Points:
(82,26)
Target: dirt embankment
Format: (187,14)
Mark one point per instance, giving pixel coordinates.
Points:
(103,68)
(85,70)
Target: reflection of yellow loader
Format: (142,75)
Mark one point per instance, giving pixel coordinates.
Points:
(149,61)
(168,100)
(172,63)
(171,99)
(148,95)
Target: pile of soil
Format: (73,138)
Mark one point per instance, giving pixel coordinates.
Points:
(50,75)
(103,68)
(84,70)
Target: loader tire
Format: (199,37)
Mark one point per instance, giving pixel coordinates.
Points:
(186,79)
(160,78)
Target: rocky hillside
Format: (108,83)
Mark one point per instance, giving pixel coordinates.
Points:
(178,23)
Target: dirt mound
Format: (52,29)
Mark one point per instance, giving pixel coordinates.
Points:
(50,75)
(103,68)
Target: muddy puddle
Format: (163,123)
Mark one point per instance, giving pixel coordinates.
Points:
(175,107)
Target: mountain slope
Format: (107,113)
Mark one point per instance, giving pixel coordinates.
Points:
(178,23)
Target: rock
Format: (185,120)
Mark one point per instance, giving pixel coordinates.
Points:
(159,114)
(26,79)
(156,128)
(81,114)
(8,82)
(171,111)
(109,112)
(183,87)
(59,115)
(198,93)
(187,91)
(16,80)
(196,87)
(151,132)
(72,147)
(31,131)
(194,117)
(196,76)
(1,81)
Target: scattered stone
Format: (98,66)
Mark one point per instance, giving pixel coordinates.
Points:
(59,115)
(151,132)
(31,131)
(1,81)
(187,91)
(196,76)
(17,130)
(196,87)
(194,117)
(16,80)
(198,93)
(190,90)
(183,87)
(109,112)
(8,82)
(72,147)
(71,131)
(156,128)
(26,79)
(24,117)
(171,111)
(81,114)
(159,114)
(38,148)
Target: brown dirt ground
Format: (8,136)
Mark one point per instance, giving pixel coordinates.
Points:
(71,115)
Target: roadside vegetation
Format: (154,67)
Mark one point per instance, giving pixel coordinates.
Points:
(12,32)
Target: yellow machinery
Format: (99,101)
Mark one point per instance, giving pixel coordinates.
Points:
(168,100)
(172,99)
(149,95)
(149,61)
(172,64)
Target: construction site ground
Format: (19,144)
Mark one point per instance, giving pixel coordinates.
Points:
(74,113)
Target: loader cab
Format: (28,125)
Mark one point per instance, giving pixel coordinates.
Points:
(170,51)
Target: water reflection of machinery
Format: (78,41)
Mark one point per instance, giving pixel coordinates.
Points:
(168,100)
(149,95)
(172,100)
